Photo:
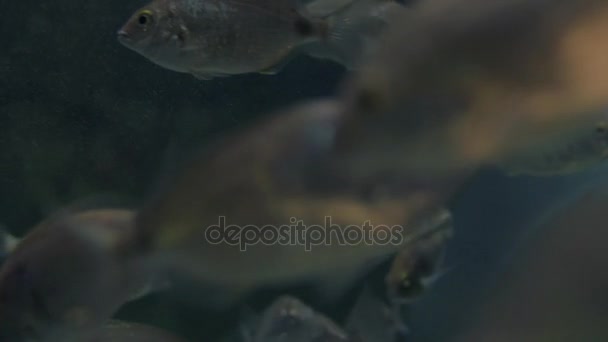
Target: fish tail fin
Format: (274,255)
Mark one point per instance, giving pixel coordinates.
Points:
(7,242)
(353,29)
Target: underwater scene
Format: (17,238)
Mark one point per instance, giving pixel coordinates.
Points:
(304,171)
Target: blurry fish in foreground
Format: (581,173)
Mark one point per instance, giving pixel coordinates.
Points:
(220,38)
(274,179)
(556,289)
(584,151)
(287,319)
(464,82)
(416,267)
(68,276)
(71,273)
(62,294)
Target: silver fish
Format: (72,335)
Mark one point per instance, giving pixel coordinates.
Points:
(214,38)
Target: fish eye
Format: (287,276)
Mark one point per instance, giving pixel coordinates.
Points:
(410,287)
(406,281)
(144,18)
(600,129)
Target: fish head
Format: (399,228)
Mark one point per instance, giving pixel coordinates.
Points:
(157,32)
(416,267)
(287,319)
(411,284)
(286,313)
(59,285)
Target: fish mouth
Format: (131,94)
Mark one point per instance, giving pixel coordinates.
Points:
(123,37)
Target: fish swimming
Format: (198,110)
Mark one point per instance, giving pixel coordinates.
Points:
(68,276)
(214,38)
(71,273)
(272,176)
(457,84)
(415,267)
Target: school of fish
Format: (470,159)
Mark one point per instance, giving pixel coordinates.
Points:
(435,91)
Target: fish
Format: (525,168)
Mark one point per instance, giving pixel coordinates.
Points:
(213,38)
(74,270)
(415,268)
(68,276)
(289,319)
(366,26)
(585,151)
(457,85)
(281,174)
